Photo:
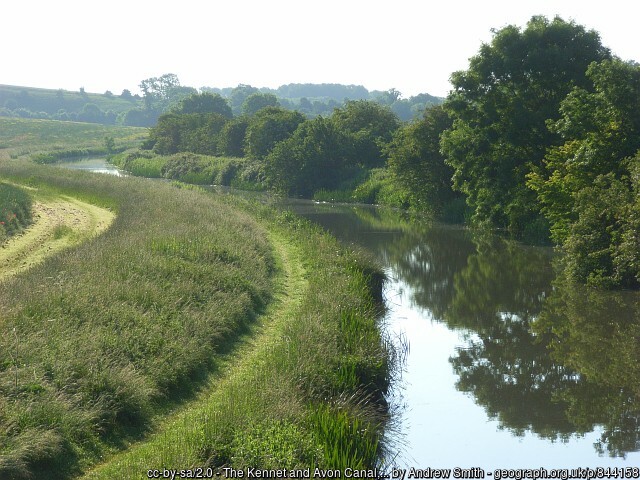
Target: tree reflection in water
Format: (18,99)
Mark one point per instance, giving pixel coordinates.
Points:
(541,355)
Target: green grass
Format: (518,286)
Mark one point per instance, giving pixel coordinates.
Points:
(51,140)
(189,168)
(15,210)
(50,101)
(254,331)
(304,391)
(98,340)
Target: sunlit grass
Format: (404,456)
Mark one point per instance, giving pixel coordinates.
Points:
(94,342)
(22,138)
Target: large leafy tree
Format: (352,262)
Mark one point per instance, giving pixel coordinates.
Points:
(258,101)
(205,103)
(188,132)
(417,164)
(268,127)
(316,156)
(588,186)
(500,107)
(161,93)
(370,126)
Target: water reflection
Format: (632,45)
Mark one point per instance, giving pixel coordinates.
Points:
(539,356)
(96,164)
(598,335)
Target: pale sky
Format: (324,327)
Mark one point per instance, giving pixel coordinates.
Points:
(409,45)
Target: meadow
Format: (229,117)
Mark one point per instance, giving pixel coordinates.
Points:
(259,329)
(51,140)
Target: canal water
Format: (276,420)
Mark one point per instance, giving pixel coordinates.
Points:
(508,365)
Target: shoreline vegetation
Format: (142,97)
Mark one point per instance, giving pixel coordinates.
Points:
(16,211)
(100,342)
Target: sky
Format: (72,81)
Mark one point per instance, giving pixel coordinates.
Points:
(410,45)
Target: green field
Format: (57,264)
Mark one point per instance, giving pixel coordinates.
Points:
(51,101)
(26,138)
(253,330)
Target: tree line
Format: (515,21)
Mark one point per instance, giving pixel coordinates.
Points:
(539,137)
(162,94)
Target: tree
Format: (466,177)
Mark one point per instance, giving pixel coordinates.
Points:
(500,107)
(239,95)
(588,185)
(187,132)
(268,127)
(91,113)
(370,125)
(417,164)
(204,103)
(231,139)
(258,101)
(316,156)
(160,93)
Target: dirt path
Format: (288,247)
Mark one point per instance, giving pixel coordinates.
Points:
(59,223)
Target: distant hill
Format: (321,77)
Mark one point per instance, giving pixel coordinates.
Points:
(127,109)
(29,102)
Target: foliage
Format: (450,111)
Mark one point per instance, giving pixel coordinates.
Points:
(204,103)
(370,127)
(231,138)
(238,95)
(140,163)
(203,170)
(500,107)
(268,127)
(588,185)
(317,156)
(258,101)
(187,132)
(15,210)
(162,93)
(417,165)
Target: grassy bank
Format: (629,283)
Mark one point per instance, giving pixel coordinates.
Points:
(15,210)
(190,168)
(305,391)
(51,140)
(101,340)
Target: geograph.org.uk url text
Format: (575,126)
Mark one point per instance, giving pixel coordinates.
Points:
(517,473)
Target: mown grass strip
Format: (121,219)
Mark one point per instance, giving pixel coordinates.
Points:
(59,223)
(236,393)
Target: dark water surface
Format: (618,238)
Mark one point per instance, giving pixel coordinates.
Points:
(509,366)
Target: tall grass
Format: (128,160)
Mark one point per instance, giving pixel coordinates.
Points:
(15,210)
(185,167)
(96,341)
(308,392)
